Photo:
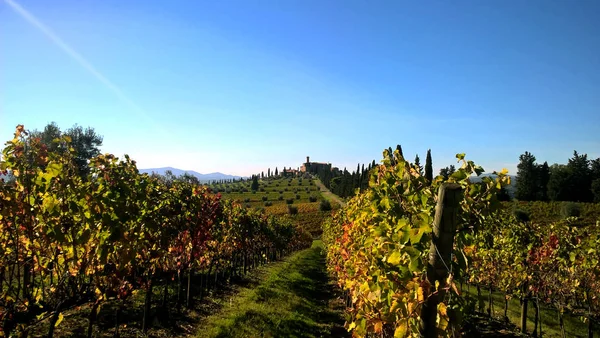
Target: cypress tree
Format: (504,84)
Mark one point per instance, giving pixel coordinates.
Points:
(254,185)
(399,148)
(418,164)
(428,167)
(391,155)
(276,173)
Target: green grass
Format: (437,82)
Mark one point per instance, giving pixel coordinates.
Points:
(574,327)
(294,300)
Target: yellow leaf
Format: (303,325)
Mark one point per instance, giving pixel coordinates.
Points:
(401,329)
(60,319)
(420,294)
(442,309)
(351,326)
(394,258)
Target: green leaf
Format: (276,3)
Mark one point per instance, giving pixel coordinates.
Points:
(415,235)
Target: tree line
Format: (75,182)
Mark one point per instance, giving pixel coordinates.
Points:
(576,181)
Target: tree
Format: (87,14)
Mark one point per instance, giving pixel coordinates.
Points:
(391,156)
(276,173)
(558,184)
(86,143)
(580,178)
(428,166)
(399,148)
(543,178)
(262,174)
(50,133)
(596,190)
(446,172)
(189,178)
(418,164)
(527,180)
(595,169)
(268,172)
(254,185)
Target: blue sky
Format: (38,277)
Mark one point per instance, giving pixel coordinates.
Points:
(239,86)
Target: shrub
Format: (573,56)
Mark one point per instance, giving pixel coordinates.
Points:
(289,201)
(280,192)
(265,198)
(570,209)
(522,215)
(247,206)
(246,199)
(325,205)
(297,196)
(292,210)
(254,191)
(280,198)
(286,189)
(268,203)
(312,198)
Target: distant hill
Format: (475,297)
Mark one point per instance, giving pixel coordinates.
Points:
(202,177)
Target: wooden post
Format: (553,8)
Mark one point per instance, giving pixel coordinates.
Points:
(440,253)
(524,302)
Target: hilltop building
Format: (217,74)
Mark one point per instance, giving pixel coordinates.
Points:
(314,167)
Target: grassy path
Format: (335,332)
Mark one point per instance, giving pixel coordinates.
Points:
(293,299)
(328,194)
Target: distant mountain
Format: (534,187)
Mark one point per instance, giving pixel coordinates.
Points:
(202,177)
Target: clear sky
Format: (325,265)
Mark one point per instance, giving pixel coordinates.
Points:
(239,86)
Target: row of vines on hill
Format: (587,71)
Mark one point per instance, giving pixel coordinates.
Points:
(378,247)
(67,240)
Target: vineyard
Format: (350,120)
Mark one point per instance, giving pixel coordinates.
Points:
(296,199)
(383,253)
(68,240)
